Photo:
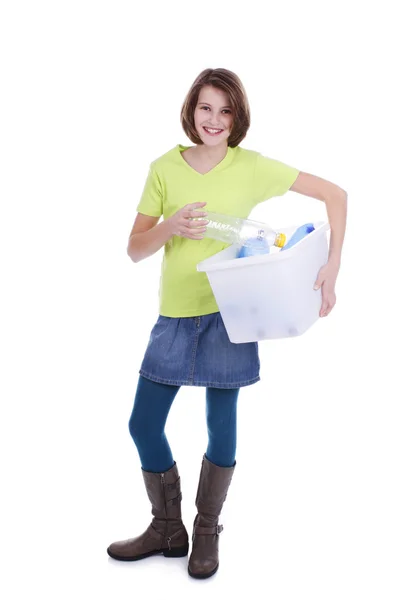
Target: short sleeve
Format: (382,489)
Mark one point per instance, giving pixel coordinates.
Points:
(151,201)
(272,178)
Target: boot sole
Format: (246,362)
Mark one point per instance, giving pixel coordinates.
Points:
(203,575)
(173,553)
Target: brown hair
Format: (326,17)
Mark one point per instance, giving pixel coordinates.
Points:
(227,82)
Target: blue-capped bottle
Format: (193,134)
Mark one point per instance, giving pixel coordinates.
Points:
(298,235)
(254,247)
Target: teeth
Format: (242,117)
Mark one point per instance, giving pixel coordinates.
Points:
(212,130)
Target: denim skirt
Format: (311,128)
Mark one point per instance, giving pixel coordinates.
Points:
(197,351)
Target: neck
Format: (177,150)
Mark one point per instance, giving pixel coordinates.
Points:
(212,153)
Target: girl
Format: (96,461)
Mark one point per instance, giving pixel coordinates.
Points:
(188,344)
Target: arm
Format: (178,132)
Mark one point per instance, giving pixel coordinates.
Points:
(335,199)
(336,206)
(146,237)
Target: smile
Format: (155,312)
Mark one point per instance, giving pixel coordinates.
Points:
(212,131)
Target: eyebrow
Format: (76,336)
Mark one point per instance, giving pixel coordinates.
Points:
(210,105)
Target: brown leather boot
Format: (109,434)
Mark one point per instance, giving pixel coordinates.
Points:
(212,490)
(166,534)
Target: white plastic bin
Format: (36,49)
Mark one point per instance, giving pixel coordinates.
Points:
(269,296)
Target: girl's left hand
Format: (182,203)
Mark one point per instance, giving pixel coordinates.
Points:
(326,280)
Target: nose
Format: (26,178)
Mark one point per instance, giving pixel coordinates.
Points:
(214,119)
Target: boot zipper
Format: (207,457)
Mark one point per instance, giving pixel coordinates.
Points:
(165,507)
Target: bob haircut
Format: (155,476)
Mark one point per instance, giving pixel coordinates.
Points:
(227,82)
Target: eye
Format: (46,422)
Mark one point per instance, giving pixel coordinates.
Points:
(225,110)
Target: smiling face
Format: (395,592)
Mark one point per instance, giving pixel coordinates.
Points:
(213,116)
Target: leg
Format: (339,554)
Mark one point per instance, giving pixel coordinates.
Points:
(221,412)
(147,424)
(215,477)
(166,533)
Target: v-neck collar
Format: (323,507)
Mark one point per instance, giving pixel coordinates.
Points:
(223,163)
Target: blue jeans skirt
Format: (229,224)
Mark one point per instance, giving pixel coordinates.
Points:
(197,351)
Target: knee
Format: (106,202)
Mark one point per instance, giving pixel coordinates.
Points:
(136,428)
(144,431)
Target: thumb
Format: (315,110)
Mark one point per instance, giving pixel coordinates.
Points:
(318,282)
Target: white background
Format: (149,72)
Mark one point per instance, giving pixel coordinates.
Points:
(91,94)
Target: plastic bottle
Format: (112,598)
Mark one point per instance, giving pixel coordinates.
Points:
(299,234)
(234,230)
(253,247)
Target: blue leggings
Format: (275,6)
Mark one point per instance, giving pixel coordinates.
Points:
(149,416)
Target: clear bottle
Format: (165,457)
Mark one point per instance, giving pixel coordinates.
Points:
(235,230)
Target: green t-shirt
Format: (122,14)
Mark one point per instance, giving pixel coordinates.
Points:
(234,187)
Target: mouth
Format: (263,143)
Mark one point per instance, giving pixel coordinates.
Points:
(213,132)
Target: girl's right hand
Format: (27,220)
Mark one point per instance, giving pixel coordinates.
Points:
(182,225)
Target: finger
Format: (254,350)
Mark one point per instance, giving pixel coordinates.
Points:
(192,214)
(193,236)
(197,224)
(193,227)
(324,306)
(330,307)
(197,235)
(195,214)
(190,232)
(326,312)
(199,214)
(318,283)
(327,306)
